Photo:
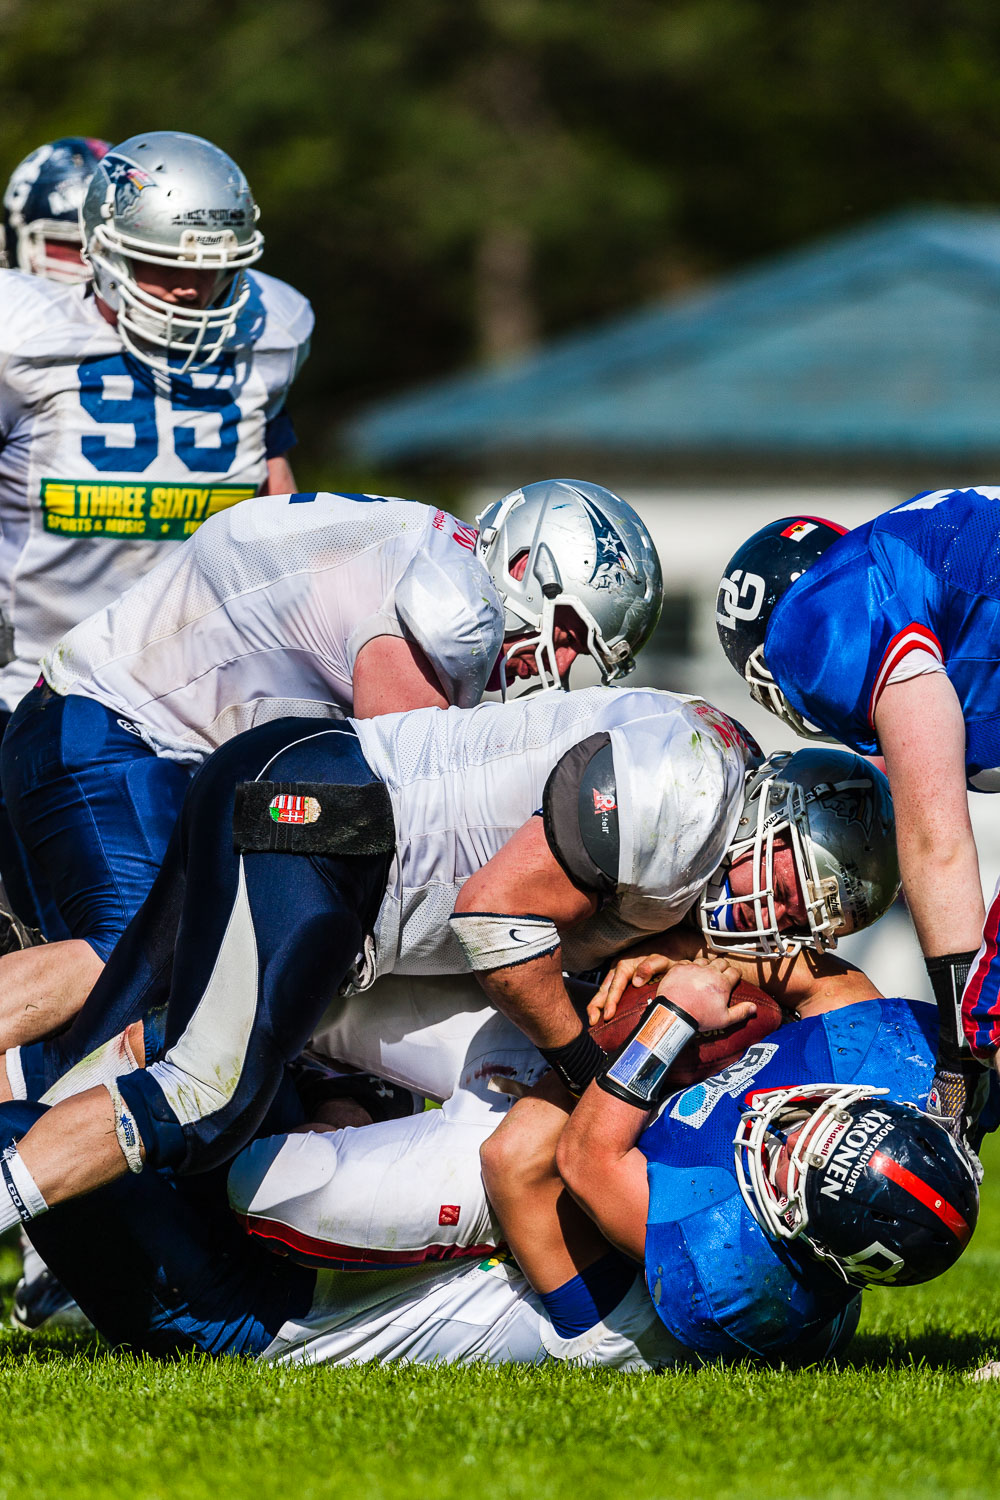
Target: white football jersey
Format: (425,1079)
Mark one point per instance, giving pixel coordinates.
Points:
(264,612)
(104,466)
(483,1313)
(462,783)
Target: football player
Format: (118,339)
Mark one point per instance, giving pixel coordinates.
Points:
(41,209)
(837,1184)
(308,857)
(887,639)
(313,604)
(139,403)
(835,1187)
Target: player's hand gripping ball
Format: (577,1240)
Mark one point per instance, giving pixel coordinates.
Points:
(708,1052)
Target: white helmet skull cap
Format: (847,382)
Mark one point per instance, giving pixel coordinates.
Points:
(170,199)
(584,548)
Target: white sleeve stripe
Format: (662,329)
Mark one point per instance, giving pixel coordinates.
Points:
(912,637)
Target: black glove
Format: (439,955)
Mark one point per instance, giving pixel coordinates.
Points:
(960,1085)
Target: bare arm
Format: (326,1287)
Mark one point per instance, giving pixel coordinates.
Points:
(597,1155)
(921,731)
(280,479)
(391,675)
(603,1168)
(524,878)
(549,1235)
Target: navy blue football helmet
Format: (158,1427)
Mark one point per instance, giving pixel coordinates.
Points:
(758,574)
(41,209)
(878,1191)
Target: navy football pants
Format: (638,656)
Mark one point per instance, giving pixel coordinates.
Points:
(161,1265)
(94,809)
(244,952)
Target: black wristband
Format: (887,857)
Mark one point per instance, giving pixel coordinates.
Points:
(947,974)
(578,1063)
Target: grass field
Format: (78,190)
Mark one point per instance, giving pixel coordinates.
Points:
(898,1419)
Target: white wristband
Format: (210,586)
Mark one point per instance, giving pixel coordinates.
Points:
(493,940)
(24,1198)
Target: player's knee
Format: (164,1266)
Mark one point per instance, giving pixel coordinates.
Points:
(280,1169)
(501,1159)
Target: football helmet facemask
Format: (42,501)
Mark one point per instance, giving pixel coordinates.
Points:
(877,1190)
(581,547)
(835,810)
(757,575)
(41,208)
(170,199)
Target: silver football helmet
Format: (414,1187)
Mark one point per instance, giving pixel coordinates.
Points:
(577,545)
(170,199)
(836,810)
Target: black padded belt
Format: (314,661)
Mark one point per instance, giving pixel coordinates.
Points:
(313,817)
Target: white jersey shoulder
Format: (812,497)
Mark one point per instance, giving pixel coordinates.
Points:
(277,319)
(264,613)
(462,783)
(104,467)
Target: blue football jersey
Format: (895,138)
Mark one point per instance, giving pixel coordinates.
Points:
(719,1284)
(925,575)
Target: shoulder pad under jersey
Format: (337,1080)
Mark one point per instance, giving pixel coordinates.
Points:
(449,606)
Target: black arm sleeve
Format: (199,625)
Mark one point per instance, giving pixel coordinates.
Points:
(580,815)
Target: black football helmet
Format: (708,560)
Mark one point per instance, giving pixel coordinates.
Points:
(41,208)
(758,574)
(880,1192)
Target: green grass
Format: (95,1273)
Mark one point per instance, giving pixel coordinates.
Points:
(899,1419)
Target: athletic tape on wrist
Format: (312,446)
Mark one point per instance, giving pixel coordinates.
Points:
(948,974)
(496,940)
(126,1129)
(638,1071)
(25,1194)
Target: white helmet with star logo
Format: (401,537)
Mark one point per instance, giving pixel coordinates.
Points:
(564,544)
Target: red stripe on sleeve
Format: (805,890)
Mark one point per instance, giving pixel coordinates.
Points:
(912,637)
(973,992)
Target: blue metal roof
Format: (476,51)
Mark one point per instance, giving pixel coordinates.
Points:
(883,342)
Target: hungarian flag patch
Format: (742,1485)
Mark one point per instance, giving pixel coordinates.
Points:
(291,808)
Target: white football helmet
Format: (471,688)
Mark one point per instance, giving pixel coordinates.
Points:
(170,199)
(836,810)
(581,547)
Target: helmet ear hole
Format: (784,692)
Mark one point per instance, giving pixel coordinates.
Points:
(518,563)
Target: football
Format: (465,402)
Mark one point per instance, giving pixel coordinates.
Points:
(709,1051)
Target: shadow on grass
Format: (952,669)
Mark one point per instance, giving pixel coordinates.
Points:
(934,1350)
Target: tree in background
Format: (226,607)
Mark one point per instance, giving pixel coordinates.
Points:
(452,179)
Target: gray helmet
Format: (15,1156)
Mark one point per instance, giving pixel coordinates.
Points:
(837,811)
(584,548)
(170,199)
